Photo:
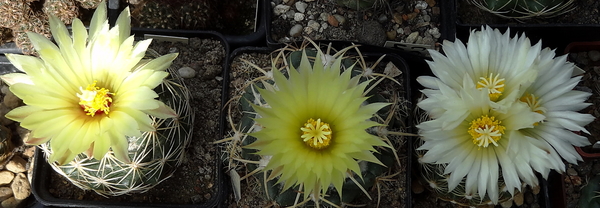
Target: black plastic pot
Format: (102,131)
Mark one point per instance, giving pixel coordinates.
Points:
(256,38)
(42,170)
(371,53)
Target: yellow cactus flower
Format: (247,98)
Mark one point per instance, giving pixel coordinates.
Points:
(314,125)
(90,90)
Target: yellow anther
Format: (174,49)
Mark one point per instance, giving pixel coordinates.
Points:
(93,99)
(486,130)
(316,134)
(493,84)
(533,103)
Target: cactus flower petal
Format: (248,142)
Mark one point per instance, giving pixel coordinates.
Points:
(501,108)
(84,94)
(314,126)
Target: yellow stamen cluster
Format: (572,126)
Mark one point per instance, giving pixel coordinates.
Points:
(534,104)
(493,84)
(316,134)
(486,130)
(94,99)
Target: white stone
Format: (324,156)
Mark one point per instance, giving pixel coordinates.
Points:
(412,37)
(301,6)
(296,30)
(6,177)
(187,72)
(298,17)
(435,32)
(20,186)
(11,100)
(400,31)
(280,9)
(594,55)
(420,5)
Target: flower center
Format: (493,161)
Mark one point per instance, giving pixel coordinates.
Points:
(493,84)
(94,99)
(534,104)
(486,130)
(316,134)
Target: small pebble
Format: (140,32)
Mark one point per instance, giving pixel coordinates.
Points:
(435,32)
(298,17)
(391,35)
(301,6)
(10,203)
(426,18)
(5,193)
(6,177)
(420,5)
(431,3)
(571,171)
(324,16)
(333,21)
(594,55)
(412,37)
(20,186)
(296,30)
(506,204)
(280,9)
(518,198)
(341,19)
(16,165)
(187,72)
(314,25)
(324,26)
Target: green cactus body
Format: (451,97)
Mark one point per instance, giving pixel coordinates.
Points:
(590,194)
(154,156)
(273,190)
(524,9)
